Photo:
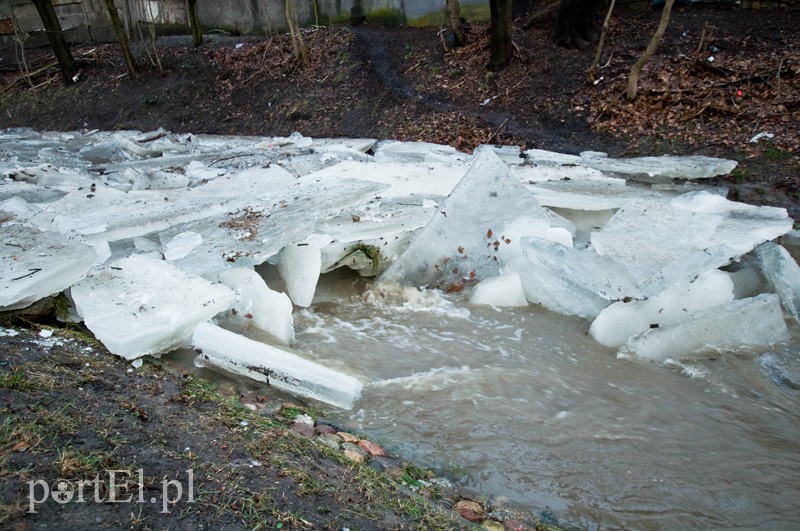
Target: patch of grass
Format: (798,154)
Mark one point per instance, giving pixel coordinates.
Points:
(16,379)
(775,153)
(388,16)
(739,175)
(199,390)
(471,13)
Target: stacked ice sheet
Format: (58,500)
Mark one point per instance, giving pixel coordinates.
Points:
(153,234)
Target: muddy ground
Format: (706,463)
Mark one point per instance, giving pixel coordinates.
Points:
(69,410)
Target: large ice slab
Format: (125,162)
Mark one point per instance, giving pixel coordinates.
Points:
(256,229)
(476,231)
(142,306)
(404,178)
(783,274)
(663,242)
(623,320)
(394,151)
(661,169)
(280,368)
(38,263)
(255,305)
(757,321)
(572,282)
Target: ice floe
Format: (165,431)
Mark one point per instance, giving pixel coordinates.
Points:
(156,237)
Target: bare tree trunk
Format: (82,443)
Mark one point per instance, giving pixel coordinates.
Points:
(194,23)
(575,23)
(633,79)
(56,37)
(298,45)
(593,69)
(454,14)
(130,62)
(501,47)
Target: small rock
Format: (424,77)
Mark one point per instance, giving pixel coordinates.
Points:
(491,525)
(386,465)
(514,525)
(354,448)
(371,448)
(303,429)
(470,510)
(330,440)
(324,428)
(348,437)
(354,456)
(251,407)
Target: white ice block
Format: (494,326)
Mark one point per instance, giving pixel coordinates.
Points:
(623,320)
(142,306)
(280,368)
(757,321)
(181,245)
(476,231)
(256,305)
(35,263)
(299,266)
(404,178)
(661,169)
(572,282)
(783,274)
(503,291)
(394,151)
(663,242)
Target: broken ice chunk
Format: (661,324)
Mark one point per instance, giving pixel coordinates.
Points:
(476,230)
(143,306)
(38,263)
(503,291)
(256,305)
(405,179)
(572,282)
(394,151)
(282,369)
(663,242)
(757,321)
(783,274)
(181,245)
(644,169)
(299,266)
(623,320)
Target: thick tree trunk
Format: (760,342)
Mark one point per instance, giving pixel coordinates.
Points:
(194,24)
(501,48)
(576,22)
(130,62)
(633,79)
(454,14)
(56,37)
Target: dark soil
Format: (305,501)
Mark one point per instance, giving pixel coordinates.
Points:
(68,412)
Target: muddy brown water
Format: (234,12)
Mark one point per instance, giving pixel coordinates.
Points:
(523,403)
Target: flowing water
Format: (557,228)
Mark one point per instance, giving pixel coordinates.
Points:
(523,403)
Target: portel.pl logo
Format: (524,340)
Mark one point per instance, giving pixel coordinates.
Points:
(118,486)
